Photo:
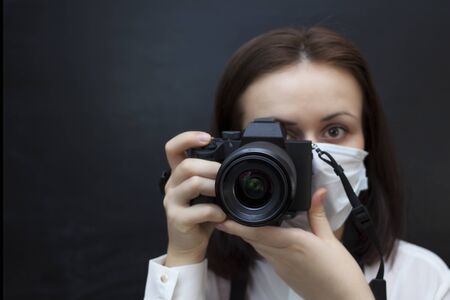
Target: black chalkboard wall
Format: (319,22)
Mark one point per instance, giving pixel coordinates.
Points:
(93,89)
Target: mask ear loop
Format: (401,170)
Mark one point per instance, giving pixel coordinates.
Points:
(362,219)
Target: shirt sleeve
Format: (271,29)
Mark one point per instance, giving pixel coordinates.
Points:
(175,283)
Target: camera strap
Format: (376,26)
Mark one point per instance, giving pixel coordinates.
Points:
(238,288)
(362,221)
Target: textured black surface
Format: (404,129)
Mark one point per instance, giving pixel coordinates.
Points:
(93,89)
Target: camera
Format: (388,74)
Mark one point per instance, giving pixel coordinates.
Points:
(264,177)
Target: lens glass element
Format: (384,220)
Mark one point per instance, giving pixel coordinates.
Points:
(253,188)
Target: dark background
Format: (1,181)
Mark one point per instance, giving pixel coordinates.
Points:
(93,89)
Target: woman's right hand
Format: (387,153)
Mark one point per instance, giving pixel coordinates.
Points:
(189,227)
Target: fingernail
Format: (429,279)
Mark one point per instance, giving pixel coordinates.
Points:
(204,137)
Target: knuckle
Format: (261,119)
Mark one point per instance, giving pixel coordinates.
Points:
(169,147)
(167,199)
(186,166)
(196,182)
(167,186)
(209,212)
(165,204)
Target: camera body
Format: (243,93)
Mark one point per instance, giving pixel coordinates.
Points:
(264,178)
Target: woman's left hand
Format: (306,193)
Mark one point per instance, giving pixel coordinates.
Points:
(314,264)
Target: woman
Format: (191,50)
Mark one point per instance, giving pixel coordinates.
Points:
(318,85)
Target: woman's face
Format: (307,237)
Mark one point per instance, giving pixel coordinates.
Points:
(316,102)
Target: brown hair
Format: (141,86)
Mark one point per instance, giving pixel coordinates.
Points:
(272,51)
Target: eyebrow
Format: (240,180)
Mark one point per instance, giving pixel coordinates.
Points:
(324,119)
(332,116)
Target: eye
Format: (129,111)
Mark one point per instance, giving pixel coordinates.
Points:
(335,132)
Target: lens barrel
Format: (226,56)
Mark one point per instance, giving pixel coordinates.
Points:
(256,183)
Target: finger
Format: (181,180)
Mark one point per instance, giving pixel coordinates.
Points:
(268,235)
(176,147)
(317,216)
(189,189)
(193,167)
(201,213)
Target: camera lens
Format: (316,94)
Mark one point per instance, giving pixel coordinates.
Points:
(253,188)
(254,185)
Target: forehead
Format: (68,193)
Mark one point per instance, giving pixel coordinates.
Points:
(303,92)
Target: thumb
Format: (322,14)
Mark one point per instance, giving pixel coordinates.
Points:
(317,216)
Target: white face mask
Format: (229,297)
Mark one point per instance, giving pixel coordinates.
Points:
(337,205)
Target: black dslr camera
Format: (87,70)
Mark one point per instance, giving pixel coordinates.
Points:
(264,178)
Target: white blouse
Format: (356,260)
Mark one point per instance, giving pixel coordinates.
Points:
(414,273)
